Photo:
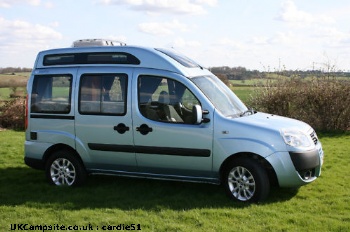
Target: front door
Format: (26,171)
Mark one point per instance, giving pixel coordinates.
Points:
(103,119)
(167,140)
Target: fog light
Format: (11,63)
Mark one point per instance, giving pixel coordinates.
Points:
(307,175)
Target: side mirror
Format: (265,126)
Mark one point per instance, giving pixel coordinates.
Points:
(197,113)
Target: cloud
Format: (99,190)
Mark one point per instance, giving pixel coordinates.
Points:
(20,41)
(54,24)
(286,38)
(194,7)
(207,2)
(229,43)
(120,38)
(20,36)
(10,3)
(291,14)
(260,40)
(182,43)
(333,38)
(309,29)
(331,32)
(161,29)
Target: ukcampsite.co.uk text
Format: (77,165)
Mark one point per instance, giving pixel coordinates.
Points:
(89,227)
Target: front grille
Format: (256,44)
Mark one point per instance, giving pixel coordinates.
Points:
(314,137)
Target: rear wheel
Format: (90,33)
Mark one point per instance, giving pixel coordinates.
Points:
(245,180)
(64,168)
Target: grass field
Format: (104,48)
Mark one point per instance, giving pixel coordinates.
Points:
(25,197)
(243,92)
(20,76)
(11,82)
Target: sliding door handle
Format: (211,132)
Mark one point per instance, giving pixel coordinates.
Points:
(144,129)
(121,128)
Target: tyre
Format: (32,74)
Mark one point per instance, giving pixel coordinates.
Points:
(63,168)
(245,180)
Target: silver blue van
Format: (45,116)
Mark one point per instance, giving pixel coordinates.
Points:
(153,113)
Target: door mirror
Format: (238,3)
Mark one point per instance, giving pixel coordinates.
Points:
(197,114)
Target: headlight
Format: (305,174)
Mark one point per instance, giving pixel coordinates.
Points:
(295,138)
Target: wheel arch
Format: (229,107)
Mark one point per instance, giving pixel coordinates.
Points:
(59,147)
(249,155)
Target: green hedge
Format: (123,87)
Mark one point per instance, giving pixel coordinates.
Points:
(324,103)
(12,113)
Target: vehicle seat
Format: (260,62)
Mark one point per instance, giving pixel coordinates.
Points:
(167,112)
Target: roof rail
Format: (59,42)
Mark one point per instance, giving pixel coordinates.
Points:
(96,43)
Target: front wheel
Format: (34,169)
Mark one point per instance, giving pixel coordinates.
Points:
(245,180)
(64,168)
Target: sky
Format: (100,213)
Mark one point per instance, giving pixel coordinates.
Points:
(265,35)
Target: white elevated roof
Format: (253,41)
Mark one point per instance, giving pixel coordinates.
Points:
(96,43)
(119,56)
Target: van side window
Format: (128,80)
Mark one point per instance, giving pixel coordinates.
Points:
(166,100)
(51,94)
(103,94)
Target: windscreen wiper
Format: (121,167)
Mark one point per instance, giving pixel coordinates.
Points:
(250,111)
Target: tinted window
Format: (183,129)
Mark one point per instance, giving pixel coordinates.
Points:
(185,61)
(91,58)
(51,94)
(103,94)
(166,100)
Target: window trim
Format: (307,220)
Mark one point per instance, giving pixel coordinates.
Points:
(162,77)
(69,101)
(101,75)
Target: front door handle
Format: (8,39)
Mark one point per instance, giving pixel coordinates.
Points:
(144,129)
(121,128)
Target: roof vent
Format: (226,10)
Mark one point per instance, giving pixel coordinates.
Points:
(96,43)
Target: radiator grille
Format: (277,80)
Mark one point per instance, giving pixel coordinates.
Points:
(314,137)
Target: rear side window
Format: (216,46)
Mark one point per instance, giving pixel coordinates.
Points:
(51,94)
(103,94)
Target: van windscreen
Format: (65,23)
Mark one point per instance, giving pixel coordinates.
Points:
(185,61)
(220,95)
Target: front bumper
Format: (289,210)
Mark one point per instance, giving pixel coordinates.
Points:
(306,163)
(295,169)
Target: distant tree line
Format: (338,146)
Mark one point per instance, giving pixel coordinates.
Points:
(9,70)
(236,73)
(241,73)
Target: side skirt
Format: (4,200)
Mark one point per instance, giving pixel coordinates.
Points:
(156,176)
